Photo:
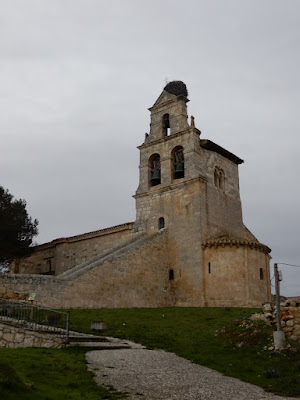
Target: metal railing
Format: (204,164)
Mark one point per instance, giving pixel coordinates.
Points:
(36,318)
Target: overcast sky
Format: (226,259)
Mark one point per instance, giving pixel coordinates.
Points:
(77,77)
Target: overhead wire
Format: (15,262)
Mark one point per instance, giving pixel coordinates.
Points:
(291,265)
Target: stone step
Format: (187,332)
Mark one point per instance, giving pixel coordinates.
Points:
(87,339)
(102,346)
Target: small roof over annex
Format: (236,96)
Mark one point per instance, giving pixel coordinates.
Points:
(209,145)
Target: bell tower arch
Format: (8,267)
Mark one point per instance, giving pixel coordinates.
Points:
(169,112)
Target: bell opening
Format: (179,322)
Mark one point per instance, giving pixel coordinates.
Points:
(166,125)
(178,162)
(154,170)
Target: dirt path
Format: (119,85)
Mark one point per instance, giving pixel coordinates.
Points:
(158,375)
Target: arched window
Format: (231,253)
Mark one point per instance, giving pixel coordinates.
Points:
(177,162)
(219,178)
(154,169)
(166,125)
(216,178)
(161,223)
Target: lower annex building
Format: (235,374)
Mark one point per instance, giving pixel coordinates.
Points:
(187,247)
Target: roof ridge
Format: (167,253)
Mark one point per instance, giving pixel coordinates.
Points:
(83,235)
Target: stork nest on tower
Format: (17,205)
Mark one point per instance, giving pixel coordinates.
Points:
(176,87)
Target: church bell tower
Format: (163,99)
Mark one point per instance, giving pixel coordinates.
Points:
(168,196)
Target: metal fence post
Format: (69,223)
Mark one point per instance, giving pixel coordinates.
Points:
(68,326)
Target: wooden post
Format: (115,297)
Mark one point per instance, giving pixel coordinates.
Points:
(279,335)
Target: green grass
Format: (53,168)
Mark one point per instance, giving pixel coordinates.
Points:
(237,350)
(219,338)
(44,374)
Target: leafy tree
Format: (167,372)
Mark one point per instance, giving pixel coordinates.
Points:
(17,229)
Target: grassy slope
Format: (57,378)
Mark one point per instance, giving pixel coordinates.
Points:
(44,374)
(191,333)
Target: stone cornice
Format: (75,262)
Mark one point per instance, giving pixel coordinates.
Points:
(228,241)
(173,186)
(167,138)
(174,98)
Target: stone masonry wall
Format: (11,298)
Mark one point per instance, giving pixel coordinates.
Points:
(12,337)
(290,316)
(232,277)
(137,276)
(176,108)
(223,208)
(180,208)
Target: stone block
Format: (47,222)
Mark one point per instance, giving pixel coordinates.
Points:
(19,337)
(279,339)
(28,341)
(267,307)
(269,315)
(297,330)
(99,326)
(286,317)
(287,329)
(9,337)
(46,344)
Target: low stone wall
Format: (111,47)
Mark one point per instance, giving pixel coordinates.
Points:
(18,287)
(12,336)
(290,316)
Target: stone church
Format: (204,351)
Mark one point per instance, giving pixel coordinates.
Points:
(187,247)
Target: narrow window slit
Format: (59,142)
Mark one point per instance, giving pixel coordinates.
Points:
(166,125)
(161,223)
(261,274)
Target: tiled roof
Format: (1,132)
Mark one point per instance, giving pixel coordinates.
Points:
(227,240)
(88,235)
(209,145)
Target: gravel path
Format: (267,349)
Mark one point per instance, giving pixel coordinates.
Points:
(158,375)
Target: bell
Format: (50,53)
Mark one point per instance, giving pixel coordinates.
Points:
(155,178)
(179,168)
